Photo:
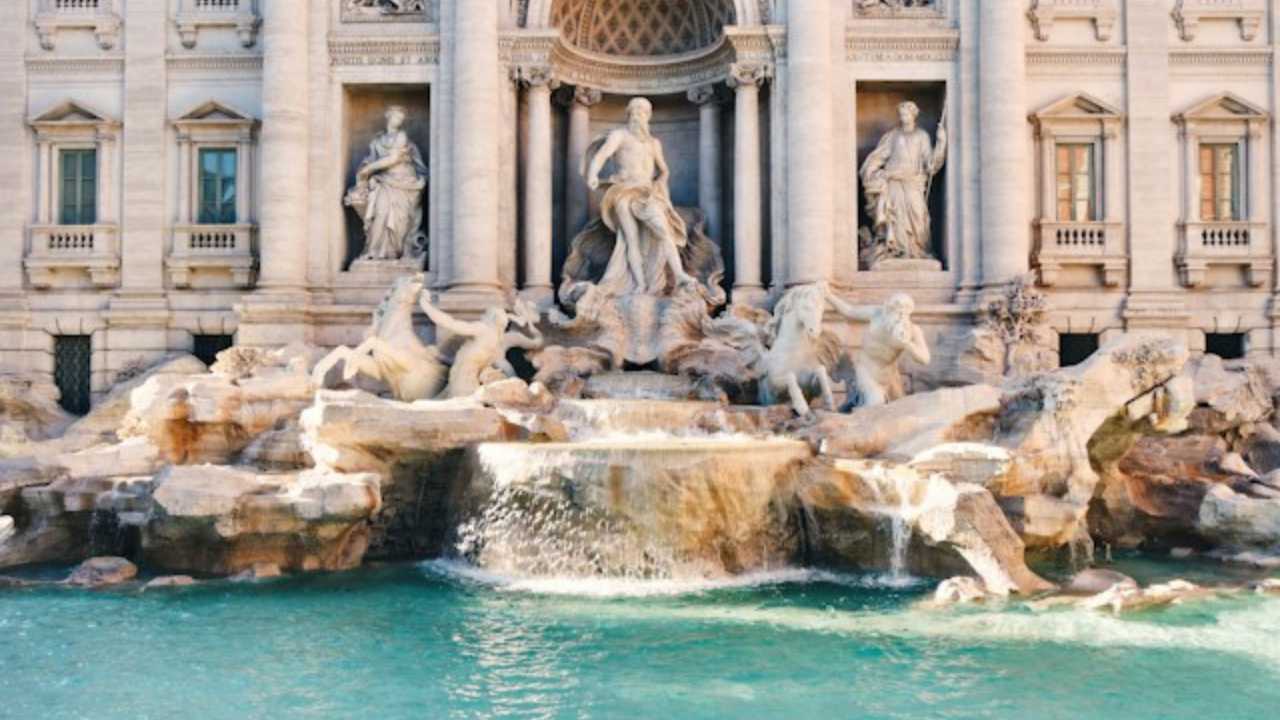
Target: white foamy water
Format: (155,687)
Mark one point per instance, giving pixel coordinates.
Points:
(615,587)
(1247,627)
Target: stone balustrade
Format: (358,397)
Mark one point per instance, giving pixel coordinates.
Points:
(225,250)
(62,255)
(1241,243)
(1088,244)
(239,15)
(98,16)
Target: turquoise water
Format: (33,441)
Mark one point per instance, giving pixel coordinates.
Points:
(434,642)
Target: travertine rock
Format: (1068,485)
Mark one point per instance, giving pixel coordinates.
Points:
(902,429)
(1233,518)
(959,590)
(1095,580)
(221,520)
(955,528)
(103,571)
(29,410)
(639,508)
(169,581)
(353,431)
(1124,598)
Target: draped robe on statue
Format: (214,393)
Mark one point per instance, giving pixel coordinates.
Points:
(895,179)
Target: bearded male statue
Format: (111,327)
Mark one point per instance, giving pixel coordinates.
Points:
(896,178)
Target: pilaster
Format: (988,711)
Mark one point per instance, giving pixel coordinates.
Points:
(810,138)
(1003,139)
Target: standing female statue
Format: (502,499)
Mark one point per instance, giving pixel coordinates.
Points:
(388,194)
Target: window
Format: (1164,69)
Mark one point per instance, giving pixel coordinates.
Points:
(1075,348)
(1219,182)
(1076,183)
(1228,346)
(71,367)
(78,195)
(207,347)
(217,186)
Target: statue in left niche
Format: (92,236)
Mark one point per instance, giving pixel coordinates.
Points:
(388,194)
(394,354)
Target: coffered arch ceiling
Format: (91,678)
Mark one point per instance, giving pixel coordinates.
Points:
(641,28)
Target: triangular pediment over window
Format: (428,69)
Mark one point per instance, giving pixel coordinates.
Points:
(1224,106)
(1079,105)
(214,111)
(72,112)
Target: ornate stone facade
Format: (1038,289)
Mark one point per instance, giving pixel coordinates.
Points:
(175,171)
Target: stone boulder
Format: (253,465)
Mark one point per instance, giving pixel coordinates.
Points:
(222,520)
(1230,394)
(102,572)
(1238,520)
(858,511)
(353,431)
(1096,580)
(1060,426)
(901,429)
(29,411)
(212,418)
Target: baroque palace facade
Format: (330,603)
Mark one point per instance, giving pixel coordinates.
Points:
(184,174)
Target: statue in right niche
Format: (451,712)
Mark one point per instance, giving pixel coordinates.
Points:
(897,178)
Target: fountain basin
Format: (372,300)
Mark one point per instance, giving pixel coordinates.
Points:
(641,507)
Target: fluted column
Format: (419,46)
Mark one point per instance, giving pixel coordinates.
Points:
(810,201)
(537,187)
(577,194)
(285,139)
(1002,137)
(709,192)
(748,287)
(477,166)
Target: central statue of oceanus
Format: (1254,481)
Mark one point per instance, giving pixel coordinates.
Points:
(641,244)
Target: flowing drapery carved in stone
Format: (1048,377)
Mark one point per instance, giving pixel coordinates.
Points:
(896,179)
(388,194)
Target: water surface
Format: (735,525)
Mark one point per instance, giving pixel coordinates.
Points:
(437,641)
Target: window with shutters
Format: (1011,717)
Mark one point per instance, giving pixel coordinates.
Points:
(78,187)
(1077,188)
(1220,182)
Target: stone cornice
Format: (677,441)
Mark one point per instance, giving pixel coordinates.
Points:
(638,76)
(1219,57)
(1077,56)
(931,47)
(344,51)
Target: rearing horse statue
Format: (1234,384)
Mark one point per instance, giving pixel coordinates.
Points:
(392,352)
(799,355)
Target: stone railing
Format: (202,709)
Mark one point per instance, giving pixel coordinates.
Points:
(62,255)
(1236,243)
(1188,14)
(98,16)
(1103,13)
(1081,244)
(239,15)
(213,250)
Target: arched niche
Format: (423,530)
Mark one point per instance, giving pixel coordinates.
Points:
(540,13)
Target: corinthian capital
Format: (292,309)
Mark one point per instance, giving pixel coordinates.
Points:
(538,76)
(744,74)
(587,96)
(702,94)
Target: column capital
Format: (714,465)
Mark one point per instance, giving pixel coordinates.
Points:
(748,74)
(537,76)
(587,96)
(703,94)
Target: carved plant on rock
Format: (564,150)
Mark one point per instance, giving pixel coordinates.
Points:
(1017,318)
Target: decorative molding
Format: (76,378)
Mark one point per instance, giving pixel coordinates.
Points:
(1103,13)
(384,51)
(1075,57)
(1219,57)
(239,15)
(748,74)
(218,63)
(73,66)
(640,76)
(1188,14)
(903,48)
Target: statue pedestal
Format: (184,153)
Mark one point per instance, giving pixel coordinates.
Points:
(907,265)
(381,273)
